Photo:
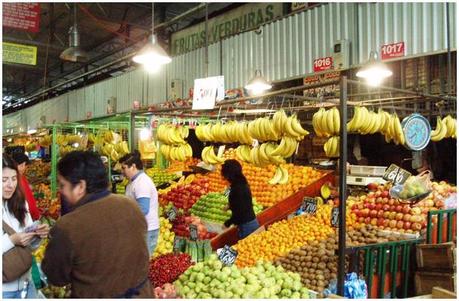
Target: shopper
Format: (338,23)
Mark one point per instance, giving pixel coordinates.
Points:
(98,247)
(15,241)
(142,189)
(22,161)
(239,199)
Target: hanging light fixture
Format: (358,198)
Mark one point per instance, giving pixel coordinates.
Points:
(74,53)
(375,71)
(152,56)
(258,84)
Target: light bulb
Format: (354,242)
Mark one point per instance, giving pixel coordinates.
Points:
(152,67)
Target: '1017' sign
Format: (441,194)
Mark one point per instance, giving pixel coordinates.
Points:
(392,50)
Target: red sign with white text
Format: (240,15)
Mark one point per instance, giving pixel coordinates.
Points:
(25,16)
(392,50)
(322,64)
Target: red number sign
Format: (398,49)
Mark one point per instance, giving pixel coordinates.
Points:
(392,50)
(325,63)
(25,16)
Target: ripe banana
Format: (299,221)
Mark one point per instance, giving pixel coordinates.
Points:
(279,120)
(331,147)
(398,131)
(450,123)
(284,177)
(440,130)
(277,176)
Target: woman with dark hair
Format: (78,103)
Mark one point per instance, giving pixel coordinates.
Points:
(98,247)
(239,199)
(16,218)
(22,161)
(142,189)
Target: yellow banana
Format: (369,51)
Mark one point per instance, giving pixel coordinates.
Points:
(440,130)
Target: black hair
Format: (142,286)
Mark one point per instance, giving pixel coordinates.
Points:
(232,171)
(17,203)
(20,158)
(132,158)
(84,165)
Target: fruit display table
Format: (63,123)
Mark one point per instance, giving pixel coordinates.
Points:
(276,212)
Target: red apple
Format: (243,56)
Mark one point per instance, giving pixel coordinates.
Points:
(399,216)
(372,186)
(416,226)
(406,217)
(377,195)
(407,225)
(372,206)
(386,214)
(425,210)
(424,224)
(360,206)
(380,221)
(355,206)
(440,204)
(380,214)
(400,224)
(416,210)
(378,207)
(361,219)
(373,213)
(374,221)
(385,194)
(386,223)
(392,208)
(391,202)
(392,215)
(365,212)
(406,209)
(367,220)
(386,207)
(399,208)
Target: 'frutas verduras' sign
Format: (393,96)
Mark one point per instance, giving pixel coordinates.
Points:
(245,17)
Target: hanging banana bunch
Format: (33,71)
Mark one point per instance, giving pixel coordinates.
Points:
(174,147)
(445,128)
(326,123)
(331,147)
(208,156)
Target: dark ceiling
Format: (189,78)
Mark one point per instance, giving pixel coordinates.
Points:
(108,31)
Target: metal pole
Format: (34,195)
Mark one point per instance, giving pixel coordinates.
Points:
(342,185)
(131,131)
(207,43)
(448,38)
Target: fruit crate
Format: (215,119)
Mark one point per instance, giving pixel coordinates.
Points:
(371,171)
(425,281)
(435,257)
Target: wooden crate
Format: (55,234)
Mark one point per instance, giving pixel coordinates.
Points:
(438,293)
(436,257)
(426,281)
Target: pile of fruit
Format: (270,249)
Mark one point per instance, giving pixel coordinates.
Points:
(369,234)
(167,291)
(185,196)
(42,194)
(56,292)
(37,170)
(377,208)
(316,263)
(284,236)
(160,176)
(182,166)
(181,227)
(199,250)
(109,143)
(51,209)
(167,268)
(212,280)
(210,207)
(166,238)
(174,147)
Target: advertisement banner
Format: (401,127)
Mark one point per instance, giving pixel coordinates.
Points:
(22,15)
(19,54)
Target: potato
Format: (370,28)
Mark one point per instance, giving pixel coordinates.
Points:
(308,264)
(325,258)
(322,246)
(308,258)
(321,253)
(322,265)
(314,265)
(315,259)
(313,282)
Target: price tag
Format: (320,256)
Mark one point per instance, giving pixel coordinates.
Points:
(227,255)
(255,143)
(335,217)
(193,232)
(221,150)
(392,50)
(172,214)
(396,174)
(309,205)
(322,64)
(177,241)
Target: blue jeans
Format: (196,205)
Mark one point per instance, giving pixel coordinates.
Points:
(152,240)
(246,229)
(31,293)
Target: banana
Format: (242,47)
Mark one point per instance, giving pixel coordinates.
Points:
(289,131)
(277,176)
(400,136)
(262,153)
(377,124)
(356,119)
(279,119)
(284,177)
(450,126)
(366,120)
(291,147)
(280,149)
(254,156)
(296,126)
(327,122)
(317,123)
(336,120)
(440,130)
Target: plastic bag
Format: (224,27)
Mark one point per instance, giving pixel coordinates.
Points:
(354,287)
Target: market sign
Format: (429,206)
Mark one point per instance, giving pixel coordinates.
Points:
(390,51)
(322,64)
(19,54)
(325,78)
(396,174)
(24,16)
(243,18)
(207,91)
